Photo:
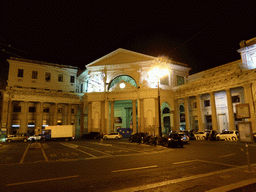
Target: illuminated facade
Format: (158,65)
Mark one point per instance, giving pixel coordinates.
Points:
(120,90)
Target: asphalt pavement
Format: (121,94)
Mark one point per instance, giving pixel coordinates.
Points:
(235,179)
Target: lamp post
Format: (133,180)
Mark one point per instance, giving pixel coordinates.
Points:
(159,73)
(159,110)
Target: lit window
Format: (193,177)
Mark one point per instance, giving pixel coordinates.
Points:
(47,76)
(20,72)
(34,74)
(60,78)
(207,103)
(59,122)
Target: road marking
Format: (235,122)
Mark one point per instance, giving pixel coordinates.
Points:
(163,183)
(43,180)
(23,157)
(185,162)
(94,150)
(217,163)
(45,157)
(153,166)
(233,185)
(228,155)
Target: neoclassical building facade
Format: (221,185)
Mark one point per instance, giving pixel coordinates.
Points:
(128,90)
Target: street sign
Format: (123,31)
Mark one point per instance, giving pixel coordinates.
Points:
(245,132)
(243,111)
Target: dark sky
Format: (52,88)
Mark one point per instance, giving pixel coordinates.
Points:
(202,34)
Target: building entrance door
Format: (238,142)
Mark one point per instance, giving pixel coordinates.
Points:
(222,122)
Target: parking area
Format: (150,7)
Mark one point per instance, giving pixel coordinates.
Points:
(19,152)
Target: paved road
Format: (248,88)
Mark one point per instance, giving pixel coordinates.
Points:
(114,165)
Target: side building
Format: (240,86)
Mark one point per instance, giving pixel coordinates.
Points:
(38,94)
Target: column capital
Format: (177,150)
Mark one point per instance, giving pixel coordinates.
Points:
(247,85)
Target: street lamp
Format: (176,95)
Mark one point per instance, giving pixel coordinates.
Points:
(158,73)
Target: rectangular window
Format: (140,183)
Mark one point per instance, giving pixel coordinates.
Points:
(59,122)
(194,105)
(82,88)
(47,76)
(180,80)
(235,99)
(72,79)
(16,109)
(34,74)
(208,118)
(164,80)
(72,110)
(46,110)
(207,103)
(32,109)
(59,110)
(16,123)
(20,72)
(60,78)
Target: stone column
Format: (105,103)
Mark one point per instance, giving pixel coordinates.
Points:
(249,100)
(39,118)
(199,114)
(106,129)
(89,116)
(112,123)
(134,116)
(142,123)
(82,119)
(69,114)
(187,118)
(24,118)
(176,123)
(214,112)
(231,117)
(102,127)
(5,112)
(54,113)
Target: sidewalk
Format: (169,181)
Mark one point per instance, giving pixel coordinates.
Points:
(229,180)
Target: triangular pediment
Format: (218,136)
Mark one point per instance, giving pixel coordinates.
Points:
(121,56)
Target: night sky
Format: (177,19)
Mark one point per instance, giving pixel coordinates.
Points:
(202,34)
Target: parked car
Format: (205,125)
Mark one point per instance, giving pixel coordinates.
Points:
(113,135)
(34,138)
(19,137)
(200,135)
(185,137)
(189,133)
(91,135)
(137,137)
(172,140)
(228,135)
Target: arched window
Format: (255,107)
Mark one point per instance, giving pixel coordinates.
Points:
(182,108)
(166,110)
(125,78)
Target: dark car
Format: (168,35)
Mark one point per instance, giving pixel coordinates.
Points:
(172,140)
(137,137)
(91,135)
